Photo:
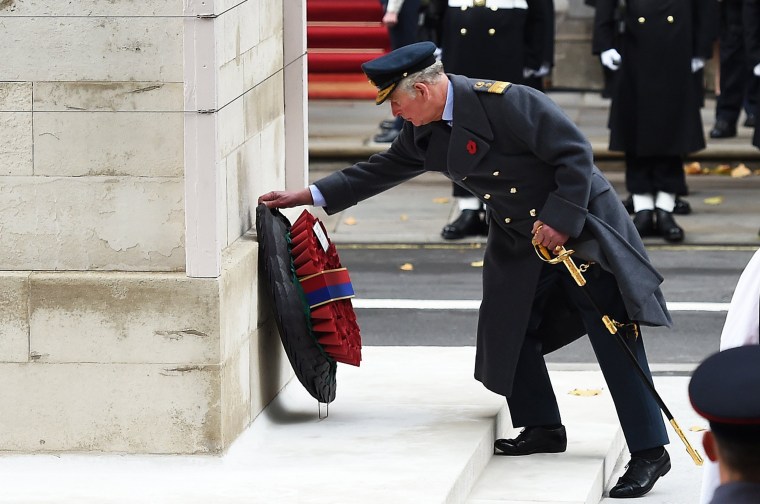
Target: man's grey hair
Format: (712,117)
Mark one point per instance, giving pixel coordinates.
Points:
(429,75)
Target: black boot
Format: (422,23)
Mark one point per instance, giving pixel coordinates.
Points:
(644,222)
(667,227)
(469,223)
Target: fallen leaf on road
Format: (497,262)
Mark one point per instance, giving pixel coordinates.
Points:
(477,264)
(404,217)
(441,201)
(715,200)
(585,392)
(723,169)
(693,168)
(407,267)
(349,221)
(697,428)
(741,171)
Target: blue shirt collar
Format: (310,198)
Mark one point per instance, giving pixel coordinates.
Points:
(448,109)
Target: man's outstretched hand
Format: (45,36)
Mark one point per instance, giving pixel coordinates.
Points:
(286,199)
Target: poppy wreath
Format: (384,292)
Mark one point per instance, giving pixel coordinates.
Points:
(311,294)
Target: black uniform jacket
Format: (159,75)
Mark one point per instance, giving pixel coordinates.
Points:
(517,151)
(499,43)
(655,96)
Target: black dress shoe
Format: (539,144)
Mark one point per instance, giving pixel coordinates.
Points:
(640,476)
(533,440)
(386,136)
(667,227)
(722,130)
(682,207)
(469,223)
(749,122)
(644,222)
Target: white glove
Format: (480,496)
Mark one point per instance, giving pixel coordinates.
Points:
(527,72)
(697,64)
(756,70)
(611,59)
(543,70)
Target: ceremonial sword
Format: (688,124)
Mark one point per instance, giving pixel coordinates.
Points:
(562,255)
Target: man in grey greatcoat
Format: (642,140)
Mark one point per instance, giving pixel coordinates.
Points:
(525,159)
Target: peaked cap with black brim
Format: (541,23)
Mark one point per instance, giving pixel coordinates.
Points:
(313,367)
(386,71)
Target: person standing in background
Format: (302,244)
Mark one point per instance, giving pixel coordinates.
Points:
(507,40)
(738,86)
(657,92)
(401,18)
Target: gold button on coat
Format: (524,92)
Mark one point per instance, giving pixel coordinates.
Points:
(513,190)
(532,212)
(487,196)
(491,31)
(463,31)
(496,173)
(670,19)
(642,19)
(507,220)
(464,7)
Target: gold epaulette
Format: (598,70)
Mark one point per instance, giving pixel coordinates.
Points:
(491,87)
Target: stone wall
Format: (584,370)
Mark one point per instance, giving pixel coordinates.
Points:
(135,136)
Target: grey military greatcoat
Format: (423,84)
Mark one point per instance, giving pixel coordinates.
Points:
(517,151)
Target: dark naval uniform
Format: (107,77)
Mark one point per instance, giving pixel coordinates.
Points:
(495,38)
(656,98)
(520,155)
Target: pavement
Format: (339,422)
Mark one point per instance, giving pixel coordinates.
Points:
(411,425)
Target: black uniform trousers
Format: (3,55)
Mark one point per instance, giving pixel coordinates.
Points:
(652,174)
(738,85)
(533,401)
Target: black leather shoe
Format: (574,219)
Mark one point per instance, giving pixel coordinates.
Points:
(469,223)
(749,122)
(640,476)
(722,130)
(644,222)
(533,440)
(667,227)
(682,207)
(386,136)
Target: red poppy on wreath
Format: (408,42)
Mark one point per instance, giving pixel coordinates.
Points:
(472,147)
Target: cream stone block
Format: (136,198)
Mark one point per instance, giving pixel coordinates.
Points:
(249,13)
(235,404)
(264,104)
(227,33)
(263,178)
(108,96)
(262,61)
(294,30)
(230,82)
(15,128)
(269,364)
(95,49)
(14,317)
(273,146)
(238,293)
(90,8)
(271,18)
(92,223)
(16,145)
(15,96)
(140,144)
(133,408)
(116,317)
(231,124)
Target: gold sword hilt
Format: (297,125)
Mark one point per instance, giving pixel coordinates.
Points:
(562,255)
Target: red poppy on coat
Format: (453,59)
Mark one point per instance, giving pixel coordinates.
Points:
(472,147)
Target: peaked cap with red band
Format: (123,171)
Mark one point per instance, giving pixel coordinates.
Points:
(725,389)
